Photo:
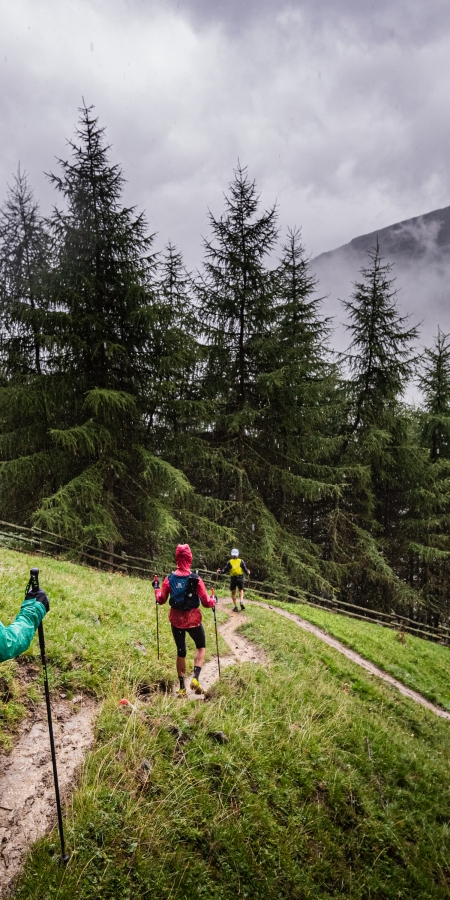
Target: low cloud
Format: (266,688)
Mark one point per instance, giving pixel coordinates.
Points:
(341,110)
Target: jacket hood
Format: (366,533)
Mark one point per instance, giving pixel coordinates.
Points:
(183,556)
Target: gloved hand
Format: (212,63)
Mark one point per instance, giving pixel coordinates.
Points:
(40,596)
(155,582)
(218,571)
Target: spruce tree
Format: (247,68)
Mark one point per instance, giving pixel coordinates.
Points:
(24,266)
(298,422)
(177,409)
(380,356)
(428,523)
(175,356)
(377,447)
(82,462)
(263,337)
(434,380)
(236,306)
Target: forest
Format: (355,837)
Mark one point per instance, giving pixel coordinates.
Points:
(141,404)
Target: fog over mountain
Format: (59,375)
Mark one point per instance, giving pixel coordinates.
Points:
(419,249)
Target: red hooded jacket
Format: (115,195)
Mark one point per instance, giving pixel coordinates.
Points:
(184,618)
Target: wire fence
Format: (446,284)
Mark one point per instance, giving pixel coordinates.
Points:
(46,543)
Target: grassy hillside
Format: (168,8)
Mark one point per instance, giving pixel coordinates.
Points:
(99,625)
(418,663)
(331,784)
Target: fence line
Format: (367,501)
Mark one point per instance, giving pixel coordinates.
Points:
(16,536)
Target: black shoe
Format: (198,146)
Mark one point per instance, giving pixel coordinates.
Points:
(242,606)
(235,609)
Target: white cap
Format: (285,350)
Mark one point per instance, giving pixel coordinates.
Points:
(235,552)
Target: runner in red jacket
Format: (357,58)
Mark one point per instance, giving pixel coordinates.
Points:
(186,591)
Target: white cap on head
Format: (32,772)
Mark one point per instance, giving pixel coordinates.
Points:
(235,552)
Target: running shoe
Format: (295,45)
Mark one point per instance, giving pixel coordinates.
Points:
(242,606)
(181,692)
(235,609)
(196,686)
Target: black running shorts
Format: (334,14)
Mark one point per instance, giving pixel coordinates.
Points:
(197,634)
(237,581)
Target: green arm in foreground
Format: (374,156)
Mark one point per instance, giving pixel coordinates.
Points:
(16,638)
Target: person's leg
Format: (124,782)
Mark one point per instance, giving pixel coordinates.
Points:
(241,597)
(181,666)
(179,636)
(199,657)
(198,636)
(233,586)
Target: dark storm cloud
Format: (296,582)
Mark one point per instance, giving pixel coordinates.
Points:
(406,20)
(341,110)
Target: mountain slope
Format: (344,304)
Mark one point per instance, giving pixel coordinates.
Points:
(419,248)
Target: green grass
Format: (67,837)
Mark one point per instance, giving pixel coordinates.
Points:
(418,663)
(331,784)
(95,621)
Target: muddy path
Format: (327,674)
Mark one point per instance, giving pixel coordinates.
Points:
(27,794)
(354,657)
(242,650)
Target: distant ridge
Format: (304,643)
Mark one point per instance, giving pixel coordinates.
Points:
(411,237)
(419,249)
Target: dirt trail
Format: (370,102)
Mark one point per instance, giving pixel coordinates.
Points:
(355,657)
(27,794)
(242,650)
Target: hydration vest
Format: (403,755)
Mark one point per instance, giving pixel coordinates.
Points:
(236,566)
(183,591)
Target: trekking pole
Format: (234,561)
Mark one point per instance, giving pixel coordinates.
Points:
(157,625)
(217,638)
(34,585)
(155,583)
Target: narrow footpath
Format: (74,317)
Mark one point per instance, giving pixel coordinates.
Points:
(354,657)
(242,650)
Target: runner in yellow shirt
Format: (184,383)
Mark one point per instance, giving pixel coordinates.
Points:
(236,567)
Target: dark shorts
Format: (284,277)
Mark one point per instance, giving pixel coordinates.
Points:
(237,581)
(197,634)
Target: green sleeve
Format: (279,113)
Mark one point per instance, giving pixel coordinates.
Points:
(16,638)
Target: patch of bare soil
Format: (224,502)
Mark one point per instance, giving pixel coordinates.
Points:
(355,657)
(27,794)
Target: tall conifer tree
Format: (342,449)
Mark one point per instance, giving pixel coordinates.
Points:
(90,468)
(428,525)
(24,266)
(262,332)
(298,421)
(378,444)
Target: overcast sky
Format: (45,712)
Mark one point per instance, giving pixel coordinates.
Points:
(340,108)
